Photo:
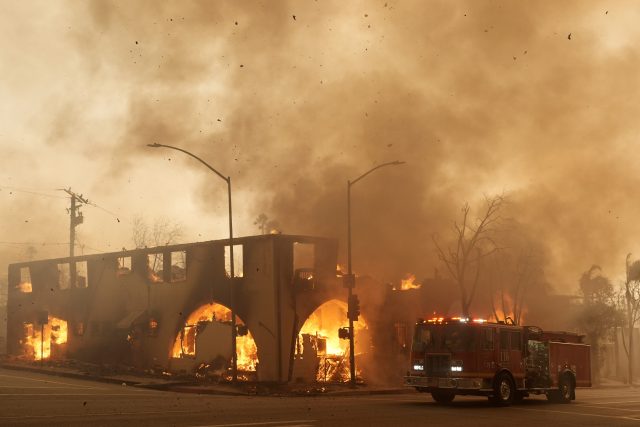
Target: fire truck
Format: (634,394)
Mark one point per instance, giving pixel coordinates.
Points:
(505,362)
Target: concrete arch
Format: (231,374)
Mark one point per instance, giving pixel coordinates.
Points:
(328,323)
(320,352)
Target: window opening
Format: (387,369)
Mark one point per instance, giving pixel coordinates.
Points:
(155,265)
(238,261)
(25,280)
(487,339)
(178,266)
(516,341)
(504,340)
(124,266)
(64,276)
(82,278)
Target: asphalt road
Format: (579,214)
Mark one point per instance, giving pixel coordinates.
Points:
(42,400)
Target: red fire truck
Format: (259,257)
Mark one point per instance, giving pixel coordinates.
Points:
(505,362)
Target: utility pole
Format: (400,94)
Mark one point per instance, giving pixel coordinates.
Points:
(76,219)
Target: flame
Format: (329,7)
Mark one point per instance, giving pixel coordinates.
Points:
(323,324)
(246,349)
(38,340)
(25,287)
(505,302)
(409,282)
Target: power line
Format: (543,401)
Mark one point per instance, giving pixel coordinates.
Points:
(36,193)
(116,216)
(35,243)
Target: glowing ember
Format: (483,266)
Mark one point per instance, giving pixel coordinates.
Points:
(39,341)
(409,282)
(185,343)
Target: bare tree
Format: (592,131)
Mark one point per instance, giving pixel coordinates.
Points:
(631,310)
(473,242)
(265,224)
(162,232)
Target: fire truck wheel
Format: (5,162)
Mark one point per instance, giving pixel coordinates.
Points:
(566,389)
(443,397)
(504,390)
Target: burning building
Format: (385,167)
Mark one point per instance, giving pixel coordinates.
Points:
(170,307)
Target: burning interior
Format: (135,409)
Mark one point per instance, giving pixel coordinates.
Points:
(44,340)
(205,338)
(322,347)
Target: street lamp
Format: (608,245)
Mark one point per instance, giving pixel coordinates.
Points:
(350,280)
(234,358)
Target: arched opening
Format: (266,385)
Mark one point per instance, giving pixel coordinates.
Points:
(321,354)
(44,340)
(204,342)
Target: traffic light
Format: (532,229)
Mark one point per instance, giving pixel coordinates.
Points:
(353,308)
(343,333)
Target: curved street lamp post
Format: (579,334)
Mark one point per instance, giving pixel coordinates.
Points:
(234,358)
(350,280)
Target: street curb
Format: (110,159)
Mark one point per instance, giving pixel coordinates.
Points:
(74,375)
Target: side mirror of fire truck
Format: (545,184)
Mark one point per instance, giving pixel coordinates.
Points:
(353,308)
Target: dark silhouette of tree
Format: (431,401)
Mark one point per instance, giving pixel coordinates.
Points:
(631,311)
(598,314)
(474,240)
(265,225)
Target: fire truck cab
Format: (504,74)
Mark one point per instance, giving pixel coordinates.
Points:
(460,356)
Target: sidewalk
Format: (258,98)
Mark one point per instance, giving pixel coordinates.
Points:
(192,385)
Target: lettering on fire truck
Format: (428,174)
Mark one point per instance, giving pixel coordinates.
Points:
(461,356)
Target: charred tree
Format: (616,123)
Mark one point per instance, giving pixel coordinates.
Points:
(474,241)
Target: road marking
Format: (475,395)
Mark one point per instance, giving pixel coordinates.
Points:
(614,403)
(265,423)
(615,408)
(48,381)
(617,417)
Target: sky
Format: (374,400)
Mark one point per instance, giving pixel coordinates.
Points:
(537,101)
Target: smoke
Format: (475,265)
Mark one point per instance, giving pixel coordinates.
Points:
(293,99)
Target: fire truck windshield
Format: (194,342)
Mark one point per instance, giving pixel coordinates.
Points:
(444,337)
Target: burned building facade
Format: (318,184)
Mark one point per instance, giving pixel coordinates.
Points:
(156,307)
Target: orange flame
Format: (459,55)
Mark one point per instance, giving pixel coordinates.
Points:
(246,349)
(38,341)
(25,287)
(504,308)
(409,282)
(323,324)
